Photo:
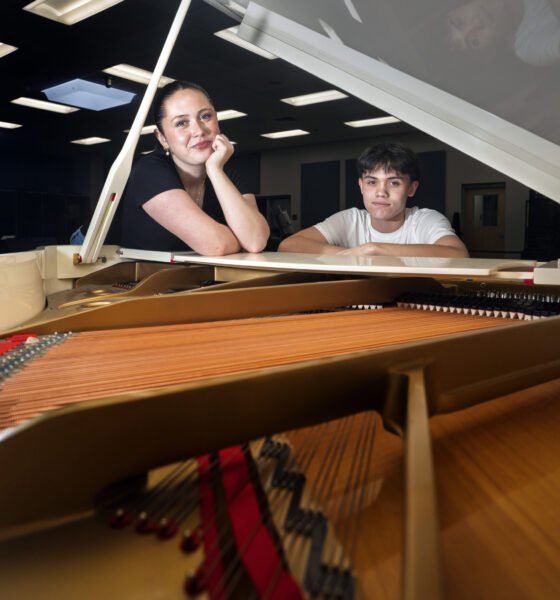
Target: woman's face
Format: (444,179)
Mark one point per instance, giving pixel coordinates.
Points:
(189,127)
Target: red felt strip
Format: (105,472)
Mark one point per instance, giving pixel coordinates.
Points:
(14,341)
(254,542)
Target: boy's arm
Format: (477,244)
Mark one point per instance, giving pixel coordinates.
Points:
(449,246)
(309,240)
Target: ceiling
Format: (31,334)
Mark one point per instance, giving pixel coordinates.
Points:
(133,32)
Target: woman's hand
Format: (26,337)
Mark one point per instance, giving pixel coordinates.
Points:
(222,151)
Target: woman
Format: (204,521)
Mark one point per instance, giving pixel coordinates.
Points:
(183,193)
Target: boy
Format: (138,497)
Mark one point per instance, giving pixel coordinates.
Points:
(388,176)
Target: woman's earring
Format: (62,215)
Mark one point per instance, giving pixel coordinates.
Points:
(167,152)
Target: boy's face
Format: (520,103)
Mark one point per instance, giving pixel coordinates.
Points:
(385,194)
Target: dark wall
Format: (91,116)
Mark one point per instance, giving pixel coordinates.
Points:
(320,191)
(542,228)
(44,173)
(42,196)
(248,167)
(431,191)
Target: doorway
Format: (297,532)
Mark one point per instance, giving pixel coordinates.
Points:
(483,209)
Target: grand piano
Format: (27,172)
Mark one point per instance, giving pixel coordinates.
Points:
(459,499)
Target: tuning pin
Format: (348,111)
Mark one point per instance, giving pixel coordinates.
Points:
(144,524)
(120,519)
(167,528)
(195,582)
(190,541)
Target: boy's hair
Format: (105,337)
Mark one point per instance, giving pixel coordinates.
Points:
(389,157)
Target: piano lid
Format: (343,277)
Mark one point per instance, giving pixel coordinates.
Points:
(510,269)
(480,75)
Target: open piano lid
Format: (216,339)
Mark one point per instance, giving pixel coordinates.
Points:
(484,78)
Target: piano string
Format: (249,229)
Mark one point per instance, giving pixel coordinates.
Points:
(97,364)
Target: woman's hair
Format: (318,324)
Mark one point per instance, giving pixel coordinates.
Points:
(168,90)
(390,157)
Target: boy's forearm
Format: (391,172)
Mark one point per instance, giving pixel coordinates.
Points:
(299,243)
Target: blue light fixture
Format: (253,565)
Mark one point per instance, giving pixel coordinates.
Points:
(86,94)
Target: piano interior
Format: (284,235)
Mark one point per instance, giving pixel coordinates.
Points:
(223,430)
(192,430)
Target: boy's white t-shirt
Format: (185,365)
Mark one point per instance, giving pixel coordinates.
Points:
(352,227)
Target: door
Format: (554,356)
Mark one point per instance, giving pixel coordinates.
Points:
(484,219)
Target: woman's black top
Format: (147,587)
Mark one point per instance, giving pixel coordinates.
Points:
(151,175)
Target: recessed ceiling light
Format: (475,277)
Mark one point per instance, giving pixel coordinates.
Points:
(68,11)
(87,94)
(315,98)
(230,35)
(224,115)
(89,141)
(43,105)
(7,125)
(135,74)
(284,134)
(6,49)
(372,122)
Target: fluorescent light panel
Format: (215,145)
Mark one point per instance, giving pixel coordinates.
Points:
(230,35)
(284,134)
(135,74)
(7,125)
(43,105)
(315,98)
(68,11)
(372,122)
(6,49)
(89,141)
(224,115)
(87,94)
